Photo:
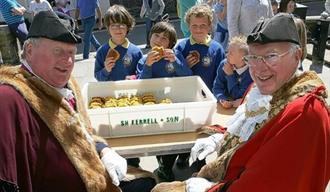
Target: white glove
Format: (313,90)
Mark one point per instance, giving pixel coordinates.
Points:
(205,146)
(115,165)
(198,184)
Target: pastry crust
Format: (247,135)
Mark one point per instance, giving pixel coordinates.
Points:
(160,50)
(114,54)
(195,54)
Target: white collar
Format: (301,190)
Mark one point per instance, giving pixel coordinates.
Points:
(65,92)
(254,110)
(241,70)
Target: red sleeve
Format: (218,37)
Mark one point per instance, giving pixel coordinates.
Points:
(13,118)
(295,153)
(8,119)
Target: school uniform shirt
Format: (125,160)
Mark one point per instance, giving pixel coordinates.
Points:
(130,55)
(163,68)
(211,54)
(230,87)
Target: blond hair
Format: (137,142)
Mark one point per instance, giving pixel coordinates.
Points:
(240,41)
(200,10)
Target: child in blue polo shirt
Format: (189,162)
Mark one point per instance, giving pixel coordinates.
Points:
(203,55)
(119,22)
(153,65)
(172,64)
(209,52)
(233,76)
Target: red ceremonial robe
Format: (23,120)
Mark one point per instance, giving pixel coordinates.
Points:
(295,140)
(289,152)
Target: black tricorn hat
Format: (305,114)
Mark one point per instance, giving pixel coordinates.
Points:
(48,25)
(280,28)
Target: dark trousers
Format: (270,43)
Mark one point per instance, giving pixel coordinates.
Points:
(140,185)
(166,162)
(19,30)
(135,162)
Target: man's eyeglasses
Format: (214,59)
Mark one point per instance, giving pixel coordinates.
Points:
(271,59)
(118,26)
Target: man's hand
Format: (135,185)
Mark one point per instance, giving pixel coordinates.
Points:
(114,164)
(198,184)
(205,146)
(18,11)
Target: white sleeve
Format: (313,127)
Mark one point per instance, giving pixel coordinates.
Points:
(270,10)
(233,11)
(143,9)
(31,7)
(49,7)
(162,6)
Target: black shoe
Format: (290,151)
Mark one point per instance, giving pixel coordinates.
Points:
(182,162)
(164,176)
(147,47)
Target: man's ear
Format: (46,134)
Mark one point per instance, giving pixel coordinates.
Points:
(28,51)
(299,54)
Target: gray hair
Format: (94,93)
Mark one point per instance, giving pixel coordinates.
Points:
(33,41)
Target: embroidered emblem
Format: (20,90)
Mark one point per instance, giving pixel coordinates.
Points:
(169,67)
(206,61)
(127,60)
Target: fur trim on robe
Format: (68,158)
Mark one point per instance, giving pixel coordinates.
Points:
(65,124)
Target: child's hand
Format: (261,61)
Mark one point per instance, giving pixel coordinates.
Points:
(237,102)
(191,60)
(228,68)
(169,55)
(152,57)
(109,63)
(226,104)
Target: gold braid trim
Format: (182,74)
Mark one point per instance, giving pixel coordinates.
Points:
(297,87)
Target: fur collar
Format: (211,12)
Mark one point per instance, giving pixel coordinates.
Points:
(65,124)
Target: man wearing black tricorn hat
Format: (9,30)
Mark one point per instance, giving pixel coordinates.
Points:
(46,141)
(279,138)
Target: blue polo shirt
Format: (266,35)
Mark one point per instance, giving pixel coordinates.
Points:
(5,9)
(87,8)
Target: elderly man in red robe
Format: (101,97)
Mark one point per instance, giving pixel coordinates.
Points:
(279,138)
(45,141)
